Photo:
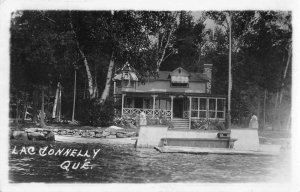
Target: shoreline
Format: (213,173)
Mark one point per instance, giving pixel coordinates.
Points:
(78,139)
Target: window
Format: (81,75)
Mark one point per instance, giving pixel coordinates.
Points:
(129,102)
(147,103)
(221,108)
(164,104)
(199,107)
(212,108)
(179,81)
(179,84)
(202,108)
(127,83)
(208,108)
(216,108)
(195,105)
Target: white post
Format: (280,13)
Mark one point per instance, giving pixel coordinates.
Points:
(216,110)
(115,90)
(153,107)
(74,97)
(115,99)
(123,95)
(190,112)
(229,76)
(172,98)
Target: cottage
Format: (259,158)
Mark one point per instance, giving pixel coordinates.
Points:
(180,96)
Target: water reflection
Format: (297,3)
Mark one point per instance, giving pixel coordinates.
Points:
(124,164)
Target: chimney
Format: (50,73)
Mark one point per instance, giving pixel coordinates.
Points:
(208,70)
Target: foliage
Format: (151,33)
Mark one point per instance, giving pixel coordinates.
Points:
(207,124)
(94,113)
(261,46)
(43,52)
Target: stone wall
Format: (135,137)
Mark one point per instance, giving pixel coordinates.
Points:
(150,136)
(247,139)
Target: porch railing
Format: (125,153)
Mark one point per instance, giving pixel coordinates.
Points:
(149,112)
(186,114)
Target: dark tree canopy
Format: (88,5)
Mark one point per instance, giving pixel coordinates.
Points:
(45,47)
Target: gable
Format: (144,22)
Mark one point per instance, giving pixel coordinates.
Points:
(166,76)
(180,72)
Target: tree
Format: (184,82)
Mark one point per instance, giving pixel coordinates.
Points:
(159,28)
(46,45)
(260,41)
(222,19)
(32,54)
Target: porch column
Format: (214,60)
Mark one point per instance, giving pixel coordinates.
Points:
(172,98)
(115,99)
(114,88)
(153,107)
(123,95)
(190,112)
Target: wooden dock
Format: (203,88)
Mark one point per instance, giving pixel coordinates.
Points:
(224,151)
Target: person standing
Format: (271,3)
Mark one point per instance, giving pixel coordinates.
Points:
(253,122)
(143,120)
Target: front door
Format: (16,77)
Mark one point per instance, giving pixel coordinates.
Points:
(138,102)
(178,107)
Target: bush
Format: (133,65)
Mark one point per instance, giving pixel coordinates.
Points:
(204,124)
(94,113)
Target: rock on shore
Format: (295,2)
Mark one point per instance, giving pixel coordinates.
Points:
(110,132)
(34,134)
(37,134)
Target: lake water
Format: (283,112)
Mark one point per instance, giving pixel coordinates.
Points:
(125,164)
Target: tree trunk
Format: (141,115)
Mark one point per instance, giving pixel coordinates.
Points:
(91,86)
(285,72)
(35,104)
(96,91)
(105,93)
(258,107)
(25,110)
(265,97)
(160,60)
(17,110)
(42,110)
(55,101)
(59,106)
(288,126)
(84,90)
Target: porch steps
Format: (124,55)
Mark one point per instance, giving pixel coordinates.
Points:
(180,123)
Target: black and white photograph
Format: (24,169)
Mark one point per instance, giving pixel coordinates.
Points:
(130,97)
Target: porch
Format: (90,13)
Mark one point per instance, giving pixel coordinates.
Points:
(175,108)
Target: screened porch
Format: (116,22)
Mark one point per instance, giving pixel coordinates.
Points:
(171,106)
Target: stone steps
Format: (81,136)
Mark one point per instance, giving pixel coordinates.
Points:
(179,123)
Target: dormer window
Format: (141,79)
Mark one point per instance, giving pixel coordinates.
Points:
(127,83)
(179,78)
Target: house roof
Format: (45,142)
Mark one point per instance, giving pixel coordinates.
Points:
(127,76)
(166,75)
(127,72)
(180,72)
